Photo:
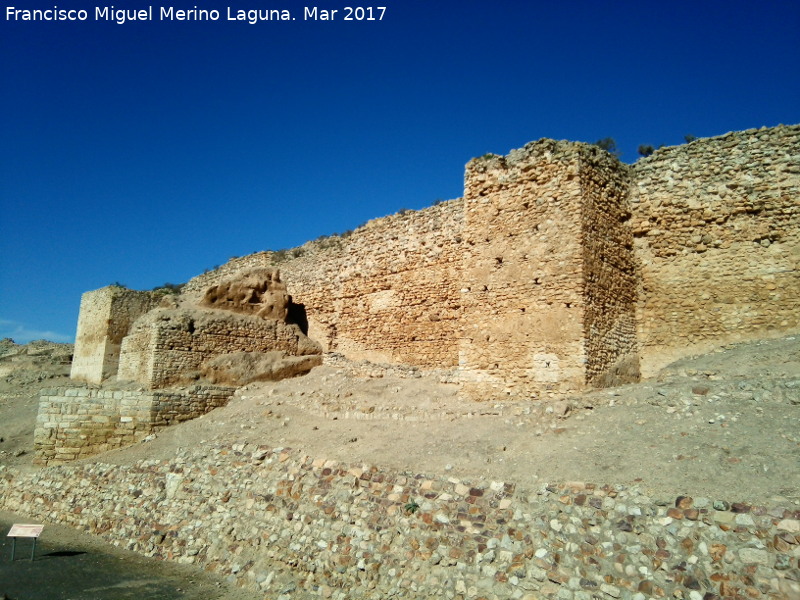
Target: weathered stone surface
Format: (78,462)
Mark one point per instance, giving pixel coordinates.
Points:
(275,520)
(259,292)
(240,368)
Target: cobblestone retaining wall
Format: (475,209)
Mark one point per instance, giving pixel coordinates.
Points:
(76,422)
(292,526)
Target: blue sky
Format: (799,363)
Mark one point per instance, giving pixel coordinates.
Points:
(147,152)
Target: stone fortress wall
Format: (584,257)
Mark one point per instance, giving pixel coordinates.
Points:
(717,225)
(562,267)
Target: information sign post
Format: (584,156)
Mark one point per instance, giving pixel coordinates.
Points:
(24,531)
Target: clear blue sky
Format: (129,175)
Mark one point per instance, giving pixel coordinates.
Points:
(148,152)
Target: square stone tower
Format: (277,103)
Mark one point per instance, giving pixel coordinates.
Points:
(549,287)
(106,316)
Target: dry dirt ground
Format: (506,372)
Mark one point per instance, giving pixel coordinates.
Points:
(724,425)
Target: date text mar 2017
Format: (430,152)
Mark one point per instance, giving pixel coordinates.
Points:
(346,13)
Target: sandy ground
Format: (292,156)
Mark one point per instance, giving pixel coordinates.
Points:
(68,565)
(724,425)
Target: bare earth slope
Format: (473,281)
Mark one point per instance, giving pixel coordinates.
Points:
(722,425)
(24,370)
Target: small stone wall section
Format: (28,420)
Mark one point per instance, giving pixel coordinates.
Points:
(75,423)
(167,347)
(105,317)
(292,526)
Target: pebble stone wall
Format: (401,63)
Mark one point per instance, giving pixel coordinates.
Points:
(717,226)
(75,422)
(292,526)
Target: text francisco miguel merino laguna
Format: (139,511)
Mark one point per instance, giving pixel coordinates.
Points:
(170,13)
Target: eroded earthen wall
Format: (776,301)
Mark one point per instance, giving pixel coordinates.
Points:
(105,317)
(717,223)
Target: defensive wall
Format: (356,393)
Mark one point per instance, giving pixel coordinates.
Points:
(299,527)
(717,225)
(562,267)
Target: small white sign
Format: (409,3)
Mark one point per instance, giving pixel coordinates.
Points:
(26,531)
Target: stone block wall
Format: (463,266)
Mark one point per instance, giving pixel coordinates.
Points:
(561,268)
(105,318)
(168,347)
(279,522)
(75,423)
(549,279)
(388,292)
(717,226)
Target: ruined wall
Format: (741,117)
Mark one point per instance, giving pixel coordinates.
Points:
(387,293)
(549,284)
(562,266)
(281,523)
(76,422)
(717,224)
(168,347)
(105,317)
